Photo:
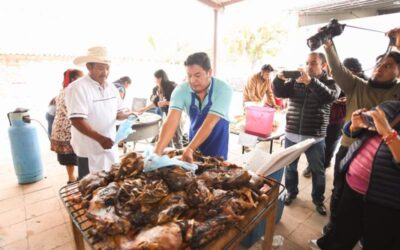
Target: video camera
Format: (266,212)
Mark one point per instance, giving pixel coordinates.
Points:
(294,74)
(367,119)
(332,29)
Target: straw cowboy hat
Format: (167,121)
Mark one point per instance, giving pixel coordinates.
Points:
(94,55)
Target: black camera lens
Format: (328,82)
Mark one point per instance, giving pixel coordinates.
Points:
(314,42)
(334,28)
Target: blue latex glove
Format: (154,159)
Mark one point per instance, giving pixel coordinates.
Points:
(125,129)
(153,162)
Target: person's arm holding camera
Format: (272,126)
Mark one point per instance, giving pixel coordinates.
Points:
(388,134)
(304,77)
(282,87)
(357,122)
(325,93)
(342,76)
(380,125)
(395,34)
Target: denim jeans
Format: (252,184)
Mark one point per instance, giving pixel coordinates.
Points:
(316,158)
(156,110)
(176,141)
(333,134)
(50,120)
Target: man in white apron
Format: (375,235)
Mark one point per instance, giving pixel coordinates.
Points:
(93,107)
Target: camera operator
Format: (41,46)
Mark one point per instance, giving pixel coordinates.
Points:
(370,202)
(360,93)
(311,96)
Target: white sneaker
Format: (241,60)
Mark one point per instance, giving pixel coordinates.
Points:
(313,245)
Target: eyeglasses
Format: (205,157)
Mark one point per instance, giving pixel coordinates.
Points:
(384,65)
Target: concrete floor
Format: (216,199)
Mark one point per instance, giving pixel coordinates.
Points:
(33,217)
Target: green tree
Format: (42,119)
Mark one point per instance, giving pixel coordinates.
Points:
(255,43)
(152,42)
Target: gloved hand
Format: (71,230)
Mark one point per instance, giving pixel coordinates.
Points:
(125,129)
(153,161)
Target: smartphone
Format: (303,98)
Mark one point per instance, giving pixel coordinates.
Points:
(367,119)
(291,74)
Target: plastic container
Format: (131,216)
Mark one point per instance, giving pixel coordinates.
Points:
(279,102)
(259,230)
(24,147)
(259,120)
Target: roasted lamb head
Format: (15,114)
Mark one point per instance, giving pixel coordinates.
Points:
(198,194)
(229,177)
(106,222)
(104,196)
(91,182)
(177,178)
(131,166)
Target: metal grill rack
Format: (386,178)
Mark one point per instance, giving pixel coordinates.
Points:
(70,195)
(81,225)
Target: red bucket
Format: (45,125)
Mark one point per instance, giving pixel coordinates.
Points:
(259,121)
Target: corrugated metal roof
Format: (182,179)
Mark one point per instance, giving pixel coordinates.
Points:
(335,6)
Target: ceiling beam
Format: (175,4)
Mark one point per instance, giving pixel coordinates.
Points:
(218,4)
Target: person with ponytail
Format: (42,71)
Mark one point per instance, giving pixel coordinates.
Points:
(160,99)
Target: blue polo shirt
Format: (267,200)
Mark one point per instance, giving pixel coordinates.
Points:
(221,98)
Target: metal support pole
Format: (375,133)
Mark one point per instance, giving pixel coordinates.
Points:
(215,45)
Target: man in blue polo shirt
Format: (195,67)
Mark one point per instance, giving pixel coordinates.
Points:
(206,100)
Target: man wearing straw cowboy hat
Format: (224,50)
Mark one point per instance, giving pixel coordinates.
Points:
(93,107)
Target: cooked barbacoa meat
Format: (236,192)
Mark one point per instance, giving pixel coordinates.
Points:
(174,153)
(91,182)
(104,196)
(197,156)
(164,237)
(198,194)
(131,166)
(229,177)
(142,216)
(106,222)
(169,208)
(206,162)
(177,178)
(197,234)
(256,181)
(124,193)
(233,203)
(138,198)
(153,191)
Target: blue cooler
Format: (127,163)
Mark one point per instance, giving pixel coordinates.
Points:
(258,231)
